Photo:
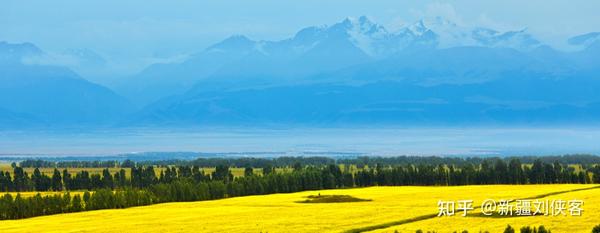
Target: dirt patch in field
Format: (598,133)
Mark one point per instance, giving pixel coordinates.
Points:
(331,199)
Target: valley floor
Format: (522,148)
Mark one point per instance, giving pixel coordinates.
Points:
(405,209)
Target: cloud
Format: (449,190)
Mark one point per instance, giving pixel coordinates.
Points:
(437,9)
(484,20)
(178,58)
(396,24)
(51,60)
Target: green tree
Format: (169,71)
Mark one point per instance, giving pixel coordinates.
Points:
(223,173)
(500,172)
(297,166)
(107,179)
(515,172)
(76,204)
(67,181)
(56,180)
(248,171)
(537,175)
(86,199)
(21,179)
(267,169)
(41,182)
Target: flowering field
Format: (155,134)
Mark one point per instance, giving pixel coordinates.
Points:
(404,209)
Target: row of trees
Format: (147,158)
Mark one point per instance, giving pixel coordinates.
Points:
(18,207)
(140,177)
(488,172)
(287,161)
(180,188)
(68,164)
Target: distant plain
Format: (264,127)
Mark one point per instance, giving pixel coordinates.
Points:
(390,141)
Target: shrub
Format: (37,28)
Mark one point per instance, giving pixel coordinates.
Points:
(509,229)
(526,229)
(542,229)
(596,229)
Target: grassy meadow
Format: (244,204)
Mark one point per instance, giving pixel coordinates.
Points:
(390,209)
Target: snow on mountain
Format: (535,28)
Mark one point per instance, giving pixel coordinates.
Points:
(312,50)
(372,38)
(450,35)
(366,35)
(376,41)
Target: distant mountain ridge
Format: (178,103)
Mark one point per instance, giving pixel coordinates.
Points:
(357,72)
(311,51)
(51,96)
(354,72)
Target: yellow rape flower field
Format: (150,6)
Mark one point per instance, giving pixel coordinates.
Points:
(391,209)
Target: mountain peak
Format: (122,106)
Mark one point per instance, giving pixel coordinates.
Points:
(418,28)
(238,38)
(19,49)
(519,39)
(235,42)
(361,24)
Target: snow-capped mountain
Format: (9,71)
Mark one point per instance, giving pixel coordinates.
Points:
(312,50)
(370,37)
(357,71)
(354,71)
(449,34)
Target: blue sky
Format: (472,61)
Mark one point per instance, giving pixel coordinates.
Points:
(138,32)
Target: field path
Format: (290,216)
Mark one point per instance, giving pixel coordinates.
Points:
(430,216)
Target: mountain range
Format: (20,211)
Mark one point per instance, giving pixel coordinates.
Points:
(352,72)
(51,96)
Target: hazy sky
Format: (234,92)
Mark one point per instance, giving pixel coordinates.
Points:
(137,32)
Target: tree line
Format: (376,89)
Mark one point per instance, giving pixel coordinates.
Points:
(146,186)
(33,163)
(288,161)
(497,172)
(487,172)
